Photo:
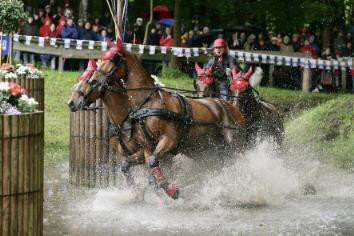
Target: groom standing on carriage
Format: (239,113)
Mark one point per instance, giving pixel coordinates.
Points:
(222,64)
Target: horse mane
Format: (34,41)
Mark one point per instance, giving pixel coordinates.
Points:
(138,65)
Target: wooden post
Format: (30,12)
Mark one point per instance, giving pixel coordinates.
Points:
(271,78)
(306,79)
(344,79)
(61,64)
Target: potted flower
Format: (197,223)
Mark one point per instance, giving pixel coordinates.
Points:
(14,101)
(28,77)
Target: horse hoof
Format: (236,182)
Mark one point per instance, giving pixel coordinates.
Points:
(172,191)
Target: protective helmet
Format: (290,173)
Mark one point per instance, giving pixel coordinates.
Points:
(218,43)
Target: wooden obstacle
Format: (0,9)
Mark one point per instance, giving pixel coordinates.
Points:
(34,88)
(21,173)
(93,162)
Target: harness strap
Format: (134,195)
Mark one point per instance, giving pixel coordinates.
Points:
(187,113)
(116,130)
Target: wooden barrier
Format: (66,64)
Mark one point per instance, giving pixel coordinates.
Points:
(34,88)
(22,214)
(93,162)
(21,173)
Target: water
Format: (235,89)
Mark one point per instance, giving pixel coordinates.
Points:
(261,193)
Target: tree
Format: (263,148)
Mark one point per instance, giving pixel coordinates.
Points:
(11,13)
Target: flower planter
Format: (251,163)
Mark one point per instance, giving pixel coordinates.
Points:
(93,162)
(34,88)
(21,173)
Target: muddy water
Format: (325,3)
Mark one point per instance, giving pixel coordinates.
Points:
(261,193)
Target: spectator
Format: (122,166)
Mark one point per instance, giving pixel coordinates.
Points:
(45,29)
(95,33)
(348,51)
(154,38)
(138,33)
(58,15)
(284,74)
(314,46)
(110,33)
(249,45)
(339,44)
(307,48)
(30,29)
(60,26)
(68,11)
(166,39)
(261,45)
(103,36)
(234,42)
(42,15)
(326,75)
(285,46)
(86,33)
(53,33)
(296,42)
(242,40)
(106,19)
(37,20)
(69,31)
(349,37)
(48,11)
(96,23)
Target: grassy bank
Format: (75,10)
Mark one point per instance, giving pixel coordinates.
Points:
(58,88)
(328,130)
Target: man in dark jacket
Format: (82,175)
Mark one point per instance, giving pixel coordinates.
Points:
(69,31)
(29,29)
(223,64)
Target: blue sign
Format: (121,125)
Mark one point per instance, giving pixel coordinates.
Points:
(5,44)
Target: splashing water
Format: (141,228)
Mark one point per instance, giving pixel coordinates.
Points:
(261,192)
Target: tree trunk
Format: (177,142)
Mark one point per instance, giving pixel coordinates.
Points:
(176,32)
(326,35)
(83,10)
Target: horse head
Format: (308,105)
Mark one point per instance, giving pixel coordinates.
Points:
(77,100)
(103,79)
(204,83)
(239,83)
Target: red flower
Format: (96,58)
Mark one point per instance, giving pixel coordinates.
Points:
(15,89)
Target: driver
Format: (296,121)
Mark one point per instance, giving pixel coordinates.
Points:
(223,64)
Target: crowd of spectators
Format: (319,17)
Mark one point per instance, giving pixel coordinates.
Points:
(58,22)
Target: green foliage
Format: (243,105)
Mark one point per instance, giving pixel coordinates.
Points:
(11,13)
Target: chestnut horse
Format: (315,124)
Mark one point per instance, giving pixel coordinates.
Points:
(149,122)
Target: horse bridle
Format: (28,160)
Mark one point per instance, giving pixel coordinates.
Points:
(107,84)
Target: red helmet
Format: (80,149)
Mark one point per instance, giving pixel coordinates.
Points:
(218,43)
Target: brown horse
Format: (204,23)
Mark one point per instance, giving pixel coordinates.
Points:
(261,116)
(148,122)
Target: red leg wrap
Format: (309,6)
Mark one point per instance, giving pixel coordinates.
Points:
(158,175)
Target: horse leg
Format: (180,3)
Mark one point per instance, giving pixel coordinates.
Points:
(156,175)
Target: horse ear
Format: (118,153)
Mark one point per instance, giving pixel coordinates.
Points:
(119,44)
(109,42)
(234,72)
(248,74)
(198,69)
(92,65)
